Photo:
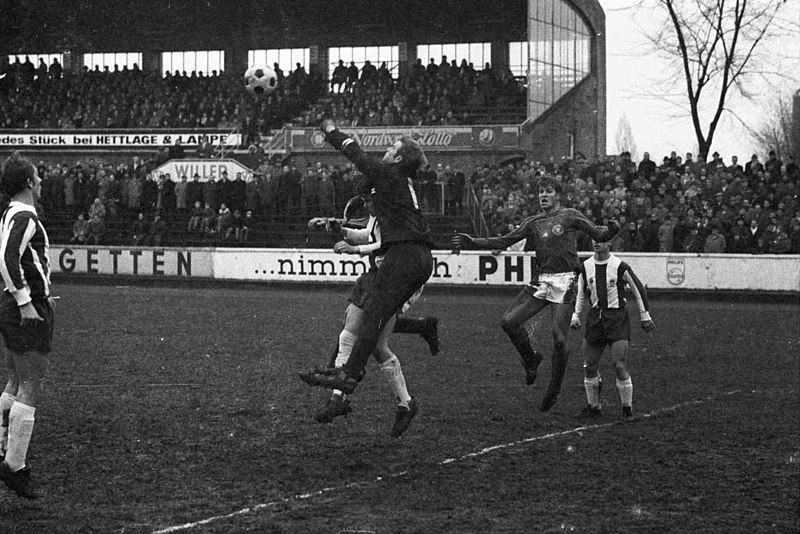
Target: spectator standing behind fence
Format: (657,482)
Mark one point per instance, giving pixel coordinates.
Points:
(223,219)
(180,195)
(96,230)
(715,242)
(210,194)
(79,229)
(248,224)
(195,218)
(139,230)
(194,191)
(157,234)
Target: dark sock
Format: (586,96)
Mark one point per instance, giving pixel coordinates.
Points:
(530,358)
(409,325)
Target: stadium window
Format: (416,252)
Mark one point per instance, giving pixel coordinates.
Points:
(193,61)
(47,58)
(479,54)
(112,60)
(560,46)
(359,55)
(518,58)
(286,58)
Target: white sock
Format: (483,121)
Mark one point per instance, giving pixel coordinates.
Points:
(6,401)
(20,429)
(346,342)
(592,387)
(394,375)
(625,389)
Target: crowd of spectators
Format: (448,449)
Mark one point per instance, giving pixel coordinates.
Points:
(445,93)
(132,98)
(681,205)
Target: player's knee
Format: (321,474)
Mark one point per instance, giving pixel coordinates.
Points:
(508,325)
(621,370)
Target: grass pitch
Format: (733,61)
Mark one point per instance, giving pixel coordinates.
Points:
(178,409)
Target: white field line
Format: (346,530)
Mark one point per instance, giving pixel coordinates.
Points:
(482,452)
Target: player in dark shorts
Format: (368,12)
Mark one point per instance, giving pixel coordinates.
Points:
(406,244)
(26,317)
(603,279)
(552,234)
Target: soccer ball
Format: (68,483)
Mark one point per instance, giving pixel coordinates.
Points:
(260,80)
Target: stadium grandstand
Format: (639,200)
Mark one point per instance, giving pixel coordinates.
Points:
(143,110)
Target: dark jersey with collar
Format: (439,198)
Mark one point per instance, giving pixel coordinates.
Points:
(393,195)
(553,236)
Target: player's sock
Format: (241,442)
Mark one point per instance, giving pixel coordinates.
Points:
(592,387)
(394,375)
(559,360)
(6,401)
(409,325)
(530,358)
(346,342)
(20,429)
(625,389)
(338,394)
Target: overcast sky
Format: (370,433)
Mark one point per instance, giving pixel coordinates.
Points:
(658,126)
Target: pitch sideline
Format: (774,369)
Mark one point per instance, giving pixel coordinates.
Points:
(482,452)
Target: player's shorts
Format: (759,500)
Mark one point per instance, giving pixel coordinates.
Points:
(558,288)
(604,327)
(363,287)
(31,337)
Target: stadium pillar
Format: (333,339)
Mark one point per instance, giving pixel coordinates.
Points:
(236,61)
(500,55)
(318,59)
(151,62)
(404,58)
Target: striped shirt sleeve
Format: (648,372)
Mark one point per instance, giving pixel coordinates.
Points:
(15,240)
(582,290)
(638,290)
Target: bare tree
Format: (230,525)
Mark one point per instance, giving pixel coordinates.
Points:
(624,138)
(714,46)
(777,131)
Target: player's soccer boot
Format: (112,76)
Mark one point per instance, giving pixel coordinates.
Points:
(403,417)
(531,365)
(18,481)
(530,376)
(554,387)
(310,376)
(335,379)
(335,407)
(627,411)
(590,412)
(431,334)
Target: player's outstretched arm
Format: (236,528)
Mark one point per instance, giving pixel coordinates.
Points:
(330,224)
(461,242)
(343,247)
(369,166)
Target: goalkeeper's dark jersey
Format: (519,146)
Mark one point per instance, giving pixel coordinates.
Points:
(393,195)
(553,236)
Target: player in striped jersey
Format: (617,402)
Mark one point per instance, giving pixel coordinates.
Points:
(26,317)
(603,279)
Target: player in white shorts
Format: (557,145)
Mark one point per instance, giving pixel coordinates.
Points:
(552,234)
